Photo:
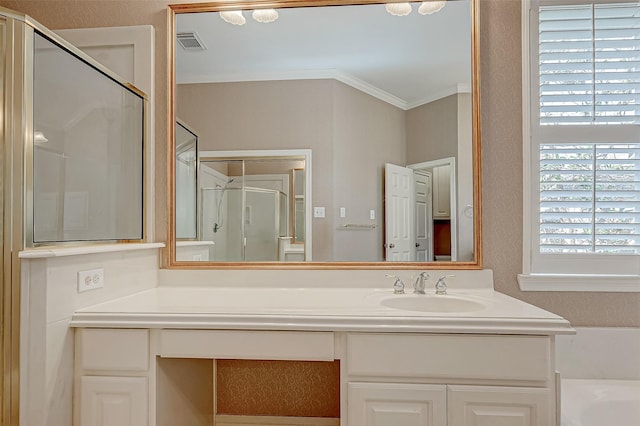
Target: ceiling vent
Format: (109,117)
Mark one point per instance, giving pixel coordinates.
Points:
(190,41)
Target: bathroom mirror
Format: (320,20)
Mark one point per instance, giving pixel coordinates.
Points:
(361,89)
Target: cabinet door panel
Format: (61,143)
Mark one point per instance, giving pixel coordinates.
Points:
(113,401)
(499,406)
(388,404)
(441,192)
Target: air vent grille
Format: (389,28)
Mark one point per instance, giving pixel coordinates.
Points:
(190,41)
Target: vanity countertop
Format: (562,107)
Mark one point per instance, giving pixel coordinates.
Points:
(321,309)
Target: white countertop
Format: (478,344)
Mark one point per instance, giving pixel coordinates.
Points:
(314,309)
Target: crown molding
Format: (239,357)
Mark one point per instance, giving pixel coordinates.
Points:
(324,74)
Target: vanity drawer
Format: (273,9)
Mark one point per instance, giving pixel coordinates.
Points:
(524,358)
(113,349)
(262,345)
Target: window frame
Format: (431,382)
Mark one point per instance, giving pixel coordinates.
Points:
(557,272)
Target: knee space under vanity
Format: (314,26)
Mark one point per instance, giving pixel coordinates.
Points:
(194,391)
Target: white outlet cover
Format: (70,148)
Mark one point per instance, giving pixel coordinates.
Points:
(343,212)
(318,212)
(90,279)
(372,214)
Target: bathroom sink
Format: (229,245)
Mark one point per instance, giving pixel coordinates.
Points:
(426,303)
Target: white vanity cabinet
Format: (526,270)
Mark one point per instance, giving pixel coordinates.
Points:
(373,404)
(140,361)
(395,379)
(453,380)
(106,401)
(112,377)
(499,405)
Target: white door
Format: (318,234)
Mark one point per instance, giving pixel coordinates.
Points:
(396,404)
(504,406)
(424,216)
(399,213)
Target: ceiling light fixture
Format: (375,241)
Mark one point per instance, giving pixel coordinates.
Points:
(429,7)
(234,17)
(265,15)
(398,9)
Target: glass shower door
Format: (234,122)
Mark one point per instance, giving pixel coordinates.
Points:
(262,224)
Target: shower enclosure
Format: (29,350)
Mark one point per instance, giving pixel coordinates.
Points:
(245,223)
(72,143)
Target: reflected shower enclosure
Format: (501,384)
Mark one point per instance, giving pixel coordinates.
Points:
(186,171)
(238,233)
(244,214)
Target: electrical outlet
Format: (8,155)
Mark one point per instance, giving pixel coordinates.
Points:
(318,212)
(90,279)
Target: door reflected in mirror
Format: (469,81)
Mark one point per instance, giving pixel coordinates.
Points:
(359,88)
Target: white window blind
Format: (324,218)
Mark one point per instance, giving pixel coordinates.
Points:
(589,57)
(590,198)
(589,128)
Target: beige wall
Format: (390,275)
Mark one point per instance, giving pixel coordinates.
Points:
(432,130)
(501,133)
(368,134)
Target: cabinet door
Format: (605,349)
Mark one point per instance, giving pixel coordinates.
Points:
(504,406)
(113,401)
(442,192)
(390,404)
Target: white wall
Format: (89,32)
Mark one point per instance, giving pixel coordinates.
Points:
(49,299)
(599,353)
(464,169)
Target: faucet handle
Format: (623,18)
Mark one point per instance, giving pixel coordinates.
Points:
(420,283)
(441,285)
(398,285)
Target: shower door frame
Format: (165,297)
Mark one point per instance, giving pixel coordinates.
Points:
(17,100)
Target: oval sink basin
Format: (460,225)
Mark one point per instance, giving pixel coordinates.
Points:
(443,303)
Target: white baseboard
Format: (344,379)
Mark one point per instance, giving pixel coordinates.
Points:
(229,420)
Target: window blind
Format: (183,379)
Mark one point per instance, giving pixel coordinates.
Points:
(589,58)
(590,198)
(589,75)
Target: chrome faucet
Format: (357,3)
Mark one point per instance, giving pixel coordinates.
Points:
(398,285)
(420,284)
(441,285)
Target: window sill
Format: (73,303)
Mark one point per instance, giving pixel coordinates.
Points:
(575,282)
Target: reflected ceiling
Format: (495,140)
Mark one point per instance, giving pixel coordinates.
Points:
(361,46)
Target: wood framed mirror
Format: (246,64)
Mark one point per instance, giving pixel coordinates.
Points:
(386,106)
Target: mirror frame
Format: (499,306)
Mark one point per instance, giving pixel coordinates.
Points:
(174,9)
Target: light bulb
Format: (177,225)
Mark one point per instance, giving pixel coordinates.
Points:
(265,15)
(234,17)
(398,9)
(429,7)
